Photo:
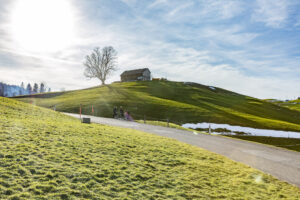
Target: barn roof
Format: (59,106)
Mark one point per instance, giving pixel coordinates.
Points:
(135,71)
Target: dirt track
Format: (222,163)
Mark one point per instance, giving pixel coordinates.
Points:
(281,163)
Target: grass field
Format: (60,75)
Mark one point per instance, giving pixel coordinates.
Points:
(295,104)
(179,102)
(287,143)
(46,155)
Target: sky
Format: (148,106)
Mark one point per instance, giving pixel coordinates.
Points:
(250,47)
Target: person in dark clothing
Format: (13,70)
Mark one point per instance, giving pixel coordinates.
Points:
(115,112)
(121,112)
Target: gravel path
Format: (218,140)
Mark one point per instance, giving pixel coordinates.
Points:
(281,163)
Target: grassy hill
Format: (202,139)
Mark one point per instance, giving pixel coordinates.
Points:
(47,155)
(294,105)
(179,102)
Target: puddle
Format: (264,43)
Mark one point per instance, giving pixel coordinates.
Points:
(240,130)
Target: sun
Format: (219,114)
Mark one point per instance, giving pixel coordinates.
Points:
(43,25)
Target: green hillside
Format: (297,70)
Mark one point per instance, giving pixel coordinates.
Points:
(179,102)
(47,155)
(294,105)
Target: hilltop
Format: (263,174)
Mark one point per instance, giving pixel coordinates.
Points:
(47,155)
(177,101)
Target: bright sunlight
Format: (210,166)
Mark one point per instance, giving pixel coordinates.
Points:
(43,25)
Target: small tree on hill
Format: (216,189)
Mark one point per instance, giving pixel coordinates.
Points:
(29,88)
(21,89)
(1,90)
(101,63)
(35,88)
(42,88)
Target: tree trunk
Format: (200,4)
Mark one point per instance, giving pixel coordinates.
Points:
(103,82)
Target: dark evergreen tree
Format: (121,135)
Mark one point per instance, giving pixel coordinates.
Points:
(35,88)
(1,89)
(42,88)
(29,88)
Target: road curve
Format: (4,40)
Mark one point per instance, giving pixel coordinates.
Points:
(280,163)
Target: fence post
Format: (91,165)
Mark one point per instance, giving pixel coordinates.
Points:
(144,119)
(168,125)
(80,111)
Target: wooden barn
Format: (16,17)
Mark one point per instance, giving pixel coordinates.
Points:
(136,75)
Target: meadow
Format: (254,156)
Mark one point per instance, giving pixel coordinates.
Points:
(47,155)
(295,104)
(292,104)
(177,102)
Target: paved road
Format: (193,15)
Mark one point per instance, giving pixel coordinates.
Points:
(283,164)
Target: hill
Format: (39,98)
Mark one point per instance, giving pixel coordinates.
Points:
(291,104)
(294,104)
(179,102)
(47,155)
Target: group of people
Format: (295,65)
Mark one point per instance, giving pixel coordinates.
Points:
(122,115)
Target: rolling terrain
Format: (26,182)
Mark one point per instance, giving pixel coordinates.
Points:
(176,101)
(47,155)
(295,104)
(291,104)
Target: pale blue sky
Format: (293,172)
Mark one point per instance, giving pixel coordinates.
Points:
(250,47)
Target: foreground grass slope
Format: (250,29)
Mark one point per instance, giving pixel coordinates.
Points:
(176,101)
(46,155)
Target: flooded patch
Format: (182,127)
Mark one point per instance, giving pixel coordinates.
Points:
(226,129)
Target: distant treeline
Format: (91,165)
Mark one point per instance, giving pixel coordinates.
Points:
(7,90)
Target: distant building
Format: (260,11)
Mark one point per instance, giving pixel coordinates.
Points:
(136,75)
(272,100)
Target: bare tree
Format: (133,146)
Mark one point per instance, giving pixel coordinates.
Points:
(101,63)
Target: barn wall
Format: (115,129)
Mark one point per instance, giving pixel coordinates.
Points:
(145,76)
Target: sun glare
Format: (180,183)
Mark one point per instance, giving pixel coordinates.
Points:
(43,25)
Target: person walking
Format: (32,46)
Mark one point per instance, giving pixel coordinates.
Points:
(115,112)
(121,112)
